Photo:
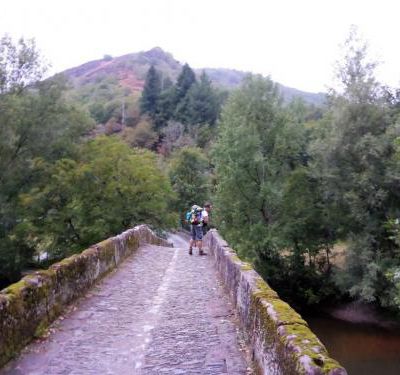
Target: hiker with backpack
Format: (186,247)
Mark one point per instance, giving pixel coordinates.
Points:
(198,218)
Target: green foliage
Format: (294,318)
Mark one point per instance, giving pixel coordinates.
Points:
(111,187)
(266,200)
(188,174)
(183,84)
(200,105)
(193,104)
(35,122)
(354,158)
(246,176)
(166,108)
(142,135)
(102,98)
(20,64)
(151,93)
(291,182)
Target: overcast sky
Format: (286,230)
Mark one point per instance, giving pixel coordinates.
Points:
(294,41)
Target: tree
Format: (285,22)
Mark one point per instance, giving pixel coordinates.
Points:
(266,202)
(180,94)
(36,121)
(20,64)
(188,175)
(353,160)
(167,83)
(151,93)
(166,107)
(110,188)
(184,82)
(247,191)
(142,135)
(200,105)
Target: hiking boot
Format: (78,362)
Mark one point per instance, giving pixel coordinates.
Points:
(190,251)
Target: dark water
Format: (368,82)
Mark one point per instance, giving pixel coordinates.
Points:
(361,349)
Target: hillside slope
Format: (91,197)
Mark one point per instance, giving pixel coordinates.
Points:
(128,73)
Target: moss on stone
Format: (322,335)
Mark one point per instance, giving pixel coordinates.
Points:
(264,290)
(46,273)
(15,289)
(235,258)
(106,250)
(132,242)
(91,252)
(41,329)
(285,314)
(246,267)
(305,345)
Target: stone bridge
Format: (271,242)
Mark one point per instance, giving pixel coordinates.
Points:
(133,304)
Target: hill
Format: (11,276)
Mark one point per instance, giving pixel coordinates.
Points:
(129,70)
(125,75)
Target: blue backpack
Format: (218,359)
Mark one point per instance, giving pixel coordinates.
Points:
(194,216)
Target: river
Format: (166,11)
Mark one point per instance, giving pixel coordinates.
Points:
(363,349)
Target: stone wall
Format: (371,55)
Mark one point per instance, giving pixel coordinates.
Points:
(29,306)
(281,341)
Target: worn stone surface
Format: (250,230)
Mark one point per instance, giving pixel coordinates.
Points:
(280,339)
(162,312)
(29,306)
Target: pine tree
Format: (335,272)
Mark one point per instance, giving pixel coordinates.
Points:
(203,103)
(185,81)
(151,93)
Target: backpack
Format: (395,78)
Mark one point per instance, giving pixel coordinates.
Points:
(194,216)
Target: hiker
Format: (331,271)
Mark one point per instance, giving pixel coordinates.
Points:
(199,220)
(206,218)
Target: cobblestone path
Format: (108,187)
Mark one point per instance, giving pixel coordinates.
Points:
(162,312)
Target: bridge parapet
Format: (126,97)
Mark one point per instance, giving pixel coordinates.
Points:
(281,341)
(30,305)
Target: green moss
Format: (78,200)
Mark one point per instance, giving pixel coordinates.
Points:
(15,289)
(305,341)
(46,273)
(91,252)
(41,329)
(132,242)
(296,334)
(235,258)
(246,267)
(8,353)
(65,262)
(285,314)
(304,336)
(106,250)
(264,290)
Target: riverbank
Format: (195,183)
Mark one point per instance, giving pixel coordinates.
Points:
(358,312)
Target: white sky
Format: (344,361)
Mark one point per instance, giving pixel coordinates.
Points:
(296,42)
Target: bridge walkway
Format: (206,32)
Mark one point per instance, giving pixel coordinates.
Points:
(161,312)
